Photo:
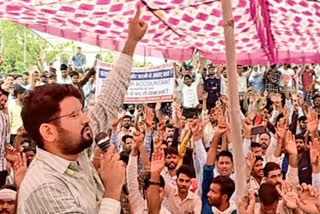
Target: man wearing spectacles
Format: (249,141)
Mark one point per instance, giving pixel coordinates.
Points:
(61,178)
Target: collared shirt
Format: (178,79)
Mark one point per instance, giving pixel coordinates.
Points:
(79,60)
(4,138)
(191,204)
(54,185)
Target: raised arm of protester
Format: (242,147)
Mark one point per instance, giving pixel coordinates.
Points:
(157,165)
(314,159)
(309,199)
(313,123)
(115,86)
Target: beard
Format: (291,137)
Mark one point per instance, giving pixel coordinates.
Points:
(171,165)
(214,203)
(71,145)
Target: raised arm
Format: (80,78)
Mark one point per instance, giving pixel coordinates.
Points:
(115,86)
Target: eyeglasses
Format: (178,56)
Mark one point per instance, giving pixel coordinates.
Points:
(75,114)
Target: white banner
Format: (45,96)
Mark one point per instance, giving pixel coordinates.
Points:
(147,85)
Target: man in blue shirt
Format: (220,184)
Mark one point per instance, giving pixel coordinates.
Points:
(79,60)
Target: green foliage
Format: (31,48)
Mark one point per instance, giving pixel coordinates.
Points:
(38,50)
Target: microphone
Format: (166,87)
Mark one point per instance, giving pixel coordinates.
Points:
(103,142)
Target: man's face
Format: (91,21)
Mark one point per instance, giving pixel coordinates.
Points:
(75,79)
(257,151)
(43,79)
(127,145)
(36,76)
(64,74)
(274,177)
(52,80)
(78,50)
(303,124)
(126,122)
(3,101)
(24,145)
(214,195)
(72,133)
(300,145)
(257,170)
(9,80)
(224,166)
(295,102)
(187,81)
(30,155)
(264,141)
(19,81)
(317,102)
(183,183)
(211,71)
(171,161)
(169,132)
(7,207)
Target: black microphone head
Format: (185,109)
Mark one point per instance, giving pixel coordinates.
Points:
(103,141)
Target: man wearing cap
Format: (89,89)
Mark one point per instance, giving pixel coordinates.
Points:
(8,202)
(14,110)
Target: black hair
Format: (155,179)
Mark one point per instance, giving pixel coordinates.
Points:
(270,166)
(124,156)
(185,169)
(4,92)
(127,116)
(171,151)
(124,138)
(227,186)
(255,145)
(300,137)
(302,118)
(268,194)
(258,158)
(63,67)
(225,154)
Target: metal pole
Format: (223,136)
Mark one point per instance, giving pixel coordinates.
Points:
(233,97)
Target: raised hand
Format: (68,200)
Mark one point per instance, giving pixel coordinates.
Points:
(196,129)
(137,27)
(157,163)
(290,144)
(288,196)
(313,122)
(148,117)
(20,169)
(11,154)
(250,159)
(308,200)
(138,141)
(222,126)
(205,95)
(315,151)
(286,112)
(158,106)
(281,128)
(247,207)
(21,131)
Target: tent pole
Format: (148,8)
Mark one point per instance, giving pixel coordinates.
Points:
(233,97)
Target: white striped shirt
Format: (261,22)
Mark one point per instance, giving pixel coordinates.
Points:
(57,186)
(4,138)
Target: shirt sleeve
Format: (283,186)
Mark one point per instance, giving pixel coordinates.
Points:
(111,96)
(110,206)
(133,185)
(316,180)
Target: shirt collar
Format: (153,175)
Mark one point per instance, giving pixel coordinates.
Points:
(57,163)
(189,196)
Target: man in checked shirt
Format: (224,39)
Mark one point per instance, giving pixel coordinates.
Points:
(61,178)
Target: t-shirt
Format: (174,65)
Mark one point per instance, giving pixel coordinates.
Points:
(286,76)
(307,79)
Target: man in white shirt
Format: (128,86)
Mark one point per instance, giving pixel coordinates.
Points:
(287,75)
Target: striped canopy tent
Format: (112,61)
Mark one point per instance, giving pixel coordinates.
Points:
(275,31)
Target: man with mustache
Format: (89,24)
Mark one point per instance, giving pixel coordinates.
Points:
(304,163)
(8,195)
(61,178)
(171,160)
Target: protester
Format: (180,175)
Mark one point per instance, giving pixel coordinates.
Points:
(79,60)
(60,173)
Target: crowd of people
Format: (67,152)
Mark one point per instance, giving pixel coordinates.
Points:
(160,158)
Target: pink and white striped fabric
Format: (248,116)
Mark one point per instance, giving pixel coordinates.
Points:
(274,31)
